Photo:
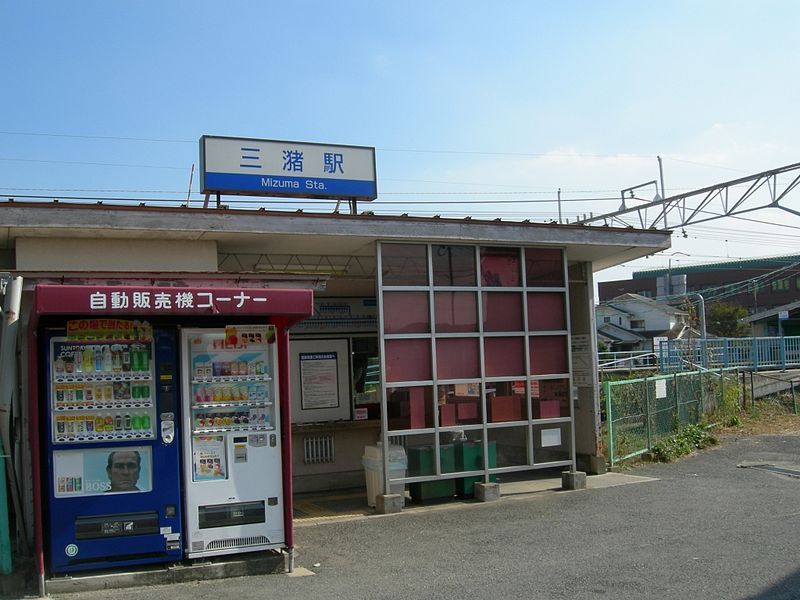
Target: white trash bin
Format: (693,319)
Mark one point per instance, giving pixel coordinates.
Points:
(373,470)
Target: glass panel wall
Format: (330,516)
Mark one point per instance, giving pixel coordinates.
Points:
(453,265)
(476,357)
(404,264)
(409,407)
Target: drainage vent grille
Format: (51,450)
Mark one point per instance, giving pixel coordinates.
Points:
(319,449)
(255,540)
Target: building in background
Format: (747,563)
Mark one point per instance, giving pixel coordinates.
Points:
(781,320)
(631,321)
(756,284)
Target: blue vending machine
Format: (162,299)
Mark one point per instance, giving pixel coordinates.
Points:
(112,449)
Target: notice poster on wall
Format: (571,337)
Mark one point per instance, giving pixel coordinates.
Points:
(95,471)
(551,437)
(319,380)
(208,458)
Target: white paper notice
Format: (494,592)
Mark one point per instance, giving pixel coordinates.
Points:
(661,388)
(551,437)
(319,380)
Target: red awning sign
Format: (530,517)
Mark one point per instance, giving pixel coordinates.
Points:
(131,300)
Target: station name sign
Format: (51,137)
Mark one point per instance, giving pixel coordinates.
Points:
(252,167)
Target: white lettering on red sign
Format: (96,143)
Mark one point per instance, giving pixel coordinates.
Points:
(163,301)
(141,299)
(98,301)
(167,300)
(119,300)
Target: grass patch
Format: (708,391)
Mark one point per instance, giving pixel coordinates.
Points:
(686,441)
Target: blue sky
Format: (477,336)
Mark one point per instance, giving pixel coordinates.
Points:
(464,101)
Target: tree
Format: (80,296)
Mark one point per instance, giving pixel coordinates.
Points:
(723,320)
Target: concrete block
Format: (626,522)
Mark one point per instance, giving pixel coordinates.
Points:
(388,503)
(573,480)
(487,492)
(592,464)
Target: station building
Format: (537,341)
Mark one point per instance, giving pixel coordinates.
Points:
(470,344)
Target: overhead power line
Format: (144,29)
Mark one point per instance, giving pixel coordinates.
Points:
(95,164)
(406,150)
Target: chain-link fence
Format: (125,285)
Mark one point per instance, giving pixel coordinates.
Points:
(640,412)
(781,387)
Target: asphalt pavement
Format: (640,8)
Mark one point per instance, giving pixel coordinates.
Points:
(703,527)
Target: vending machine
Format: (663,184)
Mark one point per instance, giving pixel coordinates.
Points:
(232,449)
(113,458)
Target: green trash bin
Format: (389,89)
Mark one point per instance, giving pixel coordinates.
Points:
(469,457)
(421,462)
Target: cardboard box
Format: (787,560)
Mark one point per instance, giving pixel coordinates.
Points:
(505,408)
(546,409)
(447,415)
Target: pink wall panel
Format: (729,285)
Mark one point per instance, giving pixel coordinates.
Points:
(408,360)
(504,356)
(548,354)
(457,358)
(456,312)
(546,311)
(406,312)
(502,311)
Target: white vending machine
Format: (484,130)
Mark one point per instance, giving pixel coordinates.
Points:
(232,450)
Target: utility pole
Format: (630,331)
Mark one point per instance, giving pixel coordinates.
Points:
(663,192)
(559,206)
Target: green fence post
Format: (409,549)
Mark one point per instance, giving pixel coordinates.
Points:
(676,422)
(609,422)
(648,429)
(752,392)
(794,399)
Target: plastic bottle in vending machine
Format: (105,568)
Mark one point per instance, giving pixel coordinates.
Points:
(116,358)
(87,360)
(126,359)
(98,359)
(144,359)
(108,362)
(146,422)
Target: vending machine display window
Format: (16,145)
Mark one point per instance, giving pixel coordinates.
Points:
(96,471)
(101,391)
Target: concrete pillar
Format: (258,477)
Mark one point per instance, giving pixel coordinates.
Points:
(573,480)
(487,492)
(388,503)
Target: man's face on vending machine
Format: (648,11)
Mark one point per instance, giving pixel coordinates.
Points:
(123,471)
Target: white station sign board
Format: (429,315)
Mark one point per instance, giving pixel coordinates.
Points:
(289,169)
